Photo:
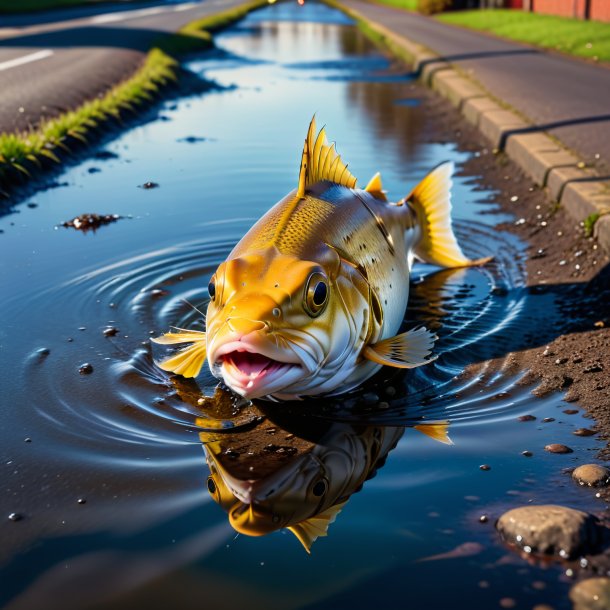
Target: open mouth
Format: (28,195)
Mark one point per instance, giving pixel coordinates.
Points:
(251,369)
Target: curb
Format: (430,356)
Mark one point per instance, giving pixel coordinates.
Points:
(578,189)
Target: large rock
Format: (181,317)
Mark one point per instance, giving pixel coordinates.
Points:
(592,475)
(550,530)
(591,594)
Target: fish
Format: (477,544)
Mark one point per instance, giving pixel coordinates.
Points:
(303,487)
(311,299)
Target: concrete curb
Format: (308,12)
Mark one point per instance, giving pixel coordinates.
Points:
(580,190)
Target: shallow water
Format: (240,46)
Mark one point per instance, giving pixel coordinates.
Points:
(128,440)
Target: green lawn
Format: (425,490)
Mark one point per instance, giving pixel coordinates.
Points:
(590,39)
(409,5)
(26,6)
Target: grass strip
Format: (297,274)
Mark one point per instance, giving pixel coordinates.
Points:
(23,153)
(407,5)
(588,39)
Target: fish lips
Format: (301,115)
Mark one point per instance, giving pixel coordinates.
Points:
(254,371)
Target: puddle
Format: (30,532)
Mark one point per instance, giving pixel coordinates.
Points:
(112,485)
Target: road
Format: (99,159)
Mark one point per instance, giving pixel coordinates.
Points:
(53,62)
(566,97)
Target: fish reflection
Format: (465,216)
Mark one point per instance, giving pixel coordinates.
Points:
(270,471)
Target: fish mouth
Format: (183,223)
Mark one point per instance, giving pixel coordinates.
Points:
(253,374)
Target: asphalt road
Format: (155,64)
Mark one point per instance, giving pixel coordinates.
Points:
(568,98)
(53,62)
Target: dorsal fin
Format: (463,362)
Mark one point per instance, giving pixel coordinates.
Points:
(321,162)
(437,431)
(375,188)
(311,529)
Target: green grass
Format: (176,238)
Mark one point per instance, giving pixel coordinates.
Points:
(28,6)
(25,152)
(589,39)
(408,5)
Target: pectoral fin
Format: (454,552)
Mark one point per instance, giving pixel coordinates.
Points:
(437,431)
(405,351)
(313,528)
(186,362)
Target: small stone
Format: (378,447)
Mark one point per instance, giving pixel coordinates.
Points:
(527,453)
(390,391)
(526,418)
(593,368)
(383,405)
(547,420)
(591,594)
(149,185)
(561,360)
(27,439)
(111,331)
(558,448)
(571,411)
(507,602)
(592,475)
(483,518)
(15,517)
(549,529)
(485,467)
(85,369)
(82,501)
(584,432)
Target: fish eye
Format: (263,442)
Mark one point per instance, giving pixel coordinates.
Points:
(319,489)
(316,294)
(211,485)
(212,288)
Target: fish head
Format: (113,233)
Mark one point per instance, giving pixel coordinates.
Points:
(278,324)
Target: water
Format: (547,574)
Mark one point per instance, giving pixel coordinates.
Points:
(126,440)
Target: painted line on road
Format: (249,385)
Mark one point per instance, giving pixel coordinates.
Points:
(25,59)
(184,7)
(122,16)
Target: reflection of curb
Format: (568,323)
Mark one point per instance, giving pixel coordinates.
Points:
(580,190)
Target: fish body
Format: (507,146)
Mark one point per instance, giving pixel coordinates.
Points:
(311,299)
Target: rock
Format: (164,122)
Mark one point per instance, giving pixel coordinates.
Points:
(550,529)
(591,594)
(526,418)
(557,448)
(592,475)
(584,432)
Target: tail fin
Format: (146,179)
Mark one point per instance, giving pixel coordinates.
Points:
(431,201)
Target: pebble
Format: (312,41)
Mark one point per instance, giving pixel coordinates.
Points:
(150,185)
(592,475)
(27,440)
(82,501)
(527,453)
(85,369)
(591,594)
(547,420)
(571,411)
(111,331)
(507,602)
(584,432)
(558,448)
(15,517)
(485,467)
(561,360)
(483,518)
(550,529)
(526,418)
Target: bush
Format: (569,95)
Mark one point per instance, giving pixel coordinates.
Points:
(430,7)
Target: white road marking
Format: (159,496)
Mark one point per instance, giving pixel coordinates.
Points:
(184,7)
(25,59)
(122,16)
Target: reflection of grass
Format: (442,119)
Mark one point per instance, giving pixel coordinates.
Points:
(23,6)
(409,5)
(590,39)
(25,152)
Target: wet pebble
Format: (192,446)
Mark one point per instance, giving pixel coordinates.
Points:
(27,439)
(593,368)
(82,501)
(483,518)
(547,420)
(561,360)
(507,602)
(591,594)
(550,529)
(592,475)
(149,185)
(584,432)
(85,369)
(526,418)
(571,411)
(485,467)
(527,453)
(111,331)
(158,292)
(15,517)
(558,448)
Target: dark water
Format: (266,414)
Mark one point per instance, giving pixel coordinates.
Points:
(126,440)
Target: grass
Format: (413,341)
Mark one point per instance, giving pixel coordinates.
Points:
(28,6)
(25,152)
(588,39)
(407,5)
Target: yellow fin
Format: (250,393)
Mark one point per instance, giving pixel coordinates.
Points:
(187,362)
(405,351)
(310,530)
(375,188)
(438,431)
(431,200)
(320,161)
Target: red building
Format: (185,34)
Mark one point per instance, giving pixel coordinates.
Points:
(580,9)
